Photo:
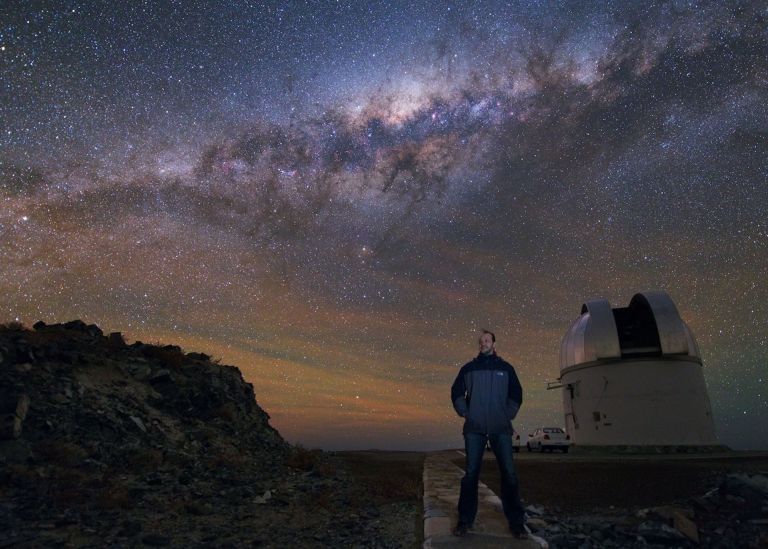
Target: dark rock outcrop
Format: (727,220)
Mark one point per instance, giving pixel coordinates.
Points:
(109,444)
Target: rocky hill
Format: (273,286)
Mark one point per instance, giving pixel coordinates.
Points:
(110,444)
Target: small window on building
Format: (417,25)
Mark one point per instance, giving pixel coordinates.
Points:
(595,416)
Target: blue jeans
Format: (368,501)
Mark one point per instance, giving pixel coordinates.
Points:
(474,445)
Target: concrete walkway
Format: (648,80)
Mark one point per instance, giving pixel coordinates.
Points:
(441,497)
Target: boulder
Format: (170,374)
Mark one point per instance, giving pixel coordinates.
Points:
(682,520)
(657,532)
(10,427)
(161,376)
(12,419)
(80,326)
(753,490)
(115,339)
(140,424)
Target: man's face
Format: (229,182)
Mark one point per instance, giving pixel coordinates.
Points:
(486,343)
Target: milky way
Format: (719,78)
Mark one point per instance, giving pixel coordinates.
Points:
(336,197)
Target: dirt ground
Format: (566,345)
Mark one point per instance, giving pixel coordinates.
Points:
(565,484)
(389,478)
(574,485)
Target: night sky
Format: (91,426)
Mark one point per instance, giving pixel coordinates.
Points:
(336,196)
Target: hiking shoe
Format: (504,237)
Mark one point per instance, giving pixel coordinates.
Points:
(461,529)
(519,532)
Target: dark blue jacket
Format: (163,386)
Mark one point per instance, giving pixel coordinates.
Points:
(487,394)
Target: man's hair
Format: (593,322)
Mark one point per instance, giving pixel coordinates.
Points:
(484,331)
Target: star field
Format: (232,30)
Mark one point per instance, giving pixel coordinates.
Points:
(336,196)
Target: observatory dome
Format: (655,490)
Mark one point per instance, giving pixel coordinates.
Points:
(649,326)
(633,377)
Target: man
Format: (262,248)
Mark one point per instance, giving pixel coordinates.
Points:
(488,395)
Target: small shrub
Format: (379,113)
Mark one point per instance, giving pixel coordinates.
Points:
(18,473)
(61,453)
(305,460)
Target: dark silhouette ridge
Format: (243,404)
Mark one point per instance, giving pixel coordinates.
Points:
(107,443)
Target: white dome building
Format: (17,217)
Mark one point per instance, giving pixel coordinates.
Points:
(633,376)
